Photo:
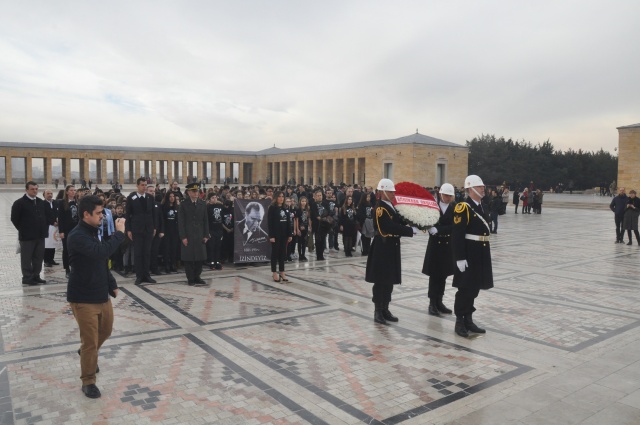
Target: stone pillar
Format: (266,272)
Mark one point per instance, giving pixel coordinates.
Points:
(8,169)
(200,171)
(66,169)
(120,170)
(356,170)
(102,168)
(185,172)
(48,177)
(28,164)
(240,173)
(84,165)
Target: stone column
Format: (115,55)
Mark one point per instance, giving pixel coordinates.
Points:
(28,164)
(185,171)
(103,171)
(48,177)
(241,173)
(8,169)
(66,169)
(120,170)
(356,170)
(200,171)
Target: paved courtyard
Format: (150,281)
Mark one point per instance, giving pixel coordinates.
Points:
(562,343)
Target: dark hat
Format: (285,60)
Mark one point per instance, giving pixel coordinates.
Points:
(192,186)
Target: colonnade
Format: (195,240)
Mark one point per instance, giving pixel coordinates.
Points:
(317,171)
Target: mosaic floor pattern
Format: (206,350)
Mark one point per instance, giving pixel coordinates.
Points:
(562,332)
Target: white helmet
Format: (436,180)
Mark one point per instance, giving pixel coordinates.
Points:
(386,184)
(447,189)
(472,181)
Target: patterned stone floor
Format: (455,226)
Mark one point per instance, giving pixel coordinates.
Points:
(561,348)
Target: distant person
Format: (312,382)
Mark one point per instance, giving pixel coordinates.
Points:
(31,218)
(193,228)
(619,206)
(630,220)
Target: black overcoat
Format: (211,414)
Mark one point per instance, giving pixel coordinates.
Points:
(467,221)
(383,262)
(438,260)
(193,225)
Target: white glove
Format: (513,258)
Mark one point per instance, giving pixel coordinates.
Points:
(462,265)
(415,230)
(433,231)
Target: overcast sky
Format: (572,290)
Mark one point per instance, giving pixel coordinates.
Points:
(250,74)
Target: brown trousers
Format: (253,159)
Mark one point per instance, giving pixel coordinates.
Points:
(95,322)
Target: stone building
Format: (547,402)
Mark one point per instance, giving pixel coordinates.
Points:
(629,157)
(417,158)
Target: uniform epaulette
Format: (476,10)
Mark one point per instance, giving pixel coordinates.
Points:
(461,207)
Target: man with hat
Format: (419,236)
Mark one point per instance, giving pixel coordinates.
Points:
(383,262)
(193,228)
(471,251)
(438,260)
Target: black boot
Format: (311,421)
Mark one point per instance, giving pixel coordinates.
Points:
(460,327)
(387,314)
(442,308)
(433,310)
(378,317)
(472,327)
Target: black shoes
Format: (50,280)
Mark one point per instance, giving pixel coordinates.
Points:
(53,263)
(148,279)
(38,280)
(433,310)
(460,328)
(91,391)
(442,308)
(48,264)
(472,327)
(29,283)
(198,281)
(388,316)
(138,281)
(378,317)
(191,283)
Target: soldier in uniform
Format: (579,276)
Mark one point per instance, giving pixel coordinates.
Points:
(438,260)
(470,242)
(383,262)
(193,228)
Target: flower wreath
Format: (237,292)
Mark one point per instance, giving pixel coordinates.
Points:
(416,205)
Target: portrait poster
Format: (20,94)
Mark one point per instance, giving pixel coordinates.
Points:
(251,235)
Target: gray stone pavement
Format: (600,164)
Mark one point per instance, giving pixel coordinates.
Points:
(561,347)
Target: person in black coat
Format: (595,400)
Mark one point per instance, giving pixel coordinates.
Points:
(280,235)
(321,222)
(67,220)
(52,211)
(159,234)
(438,260)
(347,223)
(90,285)
(141,228)
(31,218)
(470,242)
(214,244)
(171,240)
(384,262)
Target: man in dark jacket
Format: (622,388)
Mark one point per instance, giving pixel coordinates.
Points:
(193,228)
(619,205)
(384,261)
(157,238)
(31,218)
(90,284)
(141,228)
(52,212)
(438,260)
(470,242)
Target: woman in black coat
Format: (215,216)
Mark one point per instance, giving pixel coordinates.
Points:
(67,219)
(279,235)
(171,239)
(438,260)
(347,223)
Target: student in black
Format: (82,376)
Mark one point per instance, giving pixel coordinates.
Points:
(171,240)
(227,238)
(348,225)
(214,245)
(280,235)
(321,222)
(291,246)
(302,226)
(67,220)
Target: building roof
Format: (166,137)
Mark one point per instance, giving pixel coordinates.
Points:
(629,126)
(416,138)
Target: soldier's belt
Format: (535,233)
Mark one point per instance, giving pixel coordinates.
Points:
(477,238)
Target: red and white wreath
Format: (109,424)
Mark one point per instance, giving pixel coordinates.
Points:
(416,205)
